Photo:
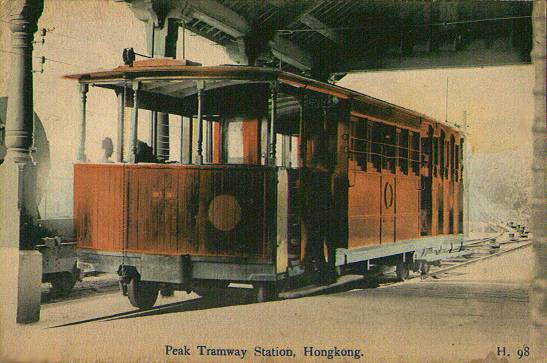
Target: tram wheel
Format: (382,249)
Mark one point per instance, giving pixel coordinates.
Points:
(167,291)
(62,283)
(142,294)
(265,291)
(213,288)
(402,271)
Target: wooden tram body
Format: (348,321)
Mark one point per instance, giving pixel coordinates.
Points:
(218,215)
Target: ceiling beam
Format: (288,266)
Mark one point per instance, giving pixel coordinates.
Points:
(218,16)
(289,53)
(223,18)
(320,27)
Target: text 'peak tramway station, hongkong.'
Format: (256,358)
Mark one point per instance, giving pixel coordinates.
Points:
(218,153)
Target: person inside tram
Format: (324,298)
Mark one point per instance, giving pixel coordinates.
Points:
(108,149)
(318,213)
(145,153)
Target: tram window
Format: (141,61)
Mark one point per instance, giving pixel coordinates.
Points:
(415,153)
(435,155)
(358,143)
(376,146)
(233,142)
(403,151)
(388,143)
(461,157)
(446,158)
(442,152)
(452,156)
(457,162)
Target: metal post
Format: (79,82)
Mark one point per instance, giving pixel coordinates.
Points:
(181,142)
(302,134)
(153,132)
(290,151)
(271,127)
(83,100)
(190,139)
(121,118)
(200,86)
(209,141)
(134,124)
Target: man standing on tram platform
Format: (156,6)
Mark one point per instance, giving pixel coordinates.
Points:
(319,226)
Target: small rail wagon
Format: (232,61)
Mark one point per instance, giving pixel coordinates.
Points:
(274,177)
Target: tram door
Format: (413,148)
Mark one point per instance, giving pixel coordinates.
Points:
(387,191)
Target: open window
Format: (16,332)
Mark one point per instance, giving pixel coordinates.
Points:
(403,154)
(388,144)
(442,152)
(414,152)
(360,143)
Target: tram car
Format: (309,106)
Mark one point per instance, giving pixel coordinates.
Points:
(279,177)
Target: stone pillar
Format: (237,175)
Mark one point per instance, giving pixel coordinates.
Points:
(20,264)
(538,298)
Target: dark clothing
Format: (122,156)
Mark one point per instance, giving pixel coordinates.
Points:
(318,219)
(145,153)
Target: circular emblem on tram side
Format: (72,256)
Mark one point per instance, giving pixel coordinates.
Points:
(224,212)
(388,195)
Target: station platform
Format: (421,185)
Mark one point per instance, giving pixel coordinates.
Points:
(462,315)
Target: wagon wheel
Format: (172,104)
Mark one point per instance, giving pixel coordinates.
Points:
(265,291)
(402,271)
(142,294)
(62,283)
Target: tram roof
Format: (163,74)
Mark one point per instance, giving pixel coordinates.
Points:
(177,78)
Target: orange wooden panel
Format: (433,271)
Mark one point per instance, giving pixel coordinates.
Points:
(446,196)
(174,209)
(251,141)
(364,209)
(456,207)
(98,205)
(213,211)
(217,142)
(407,213)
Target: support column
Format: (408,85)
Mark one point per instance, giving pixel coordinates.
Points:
(200,86)
(153,132)
(20,264)
(81,145)
(121,118)
(181,141)
(134,124)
